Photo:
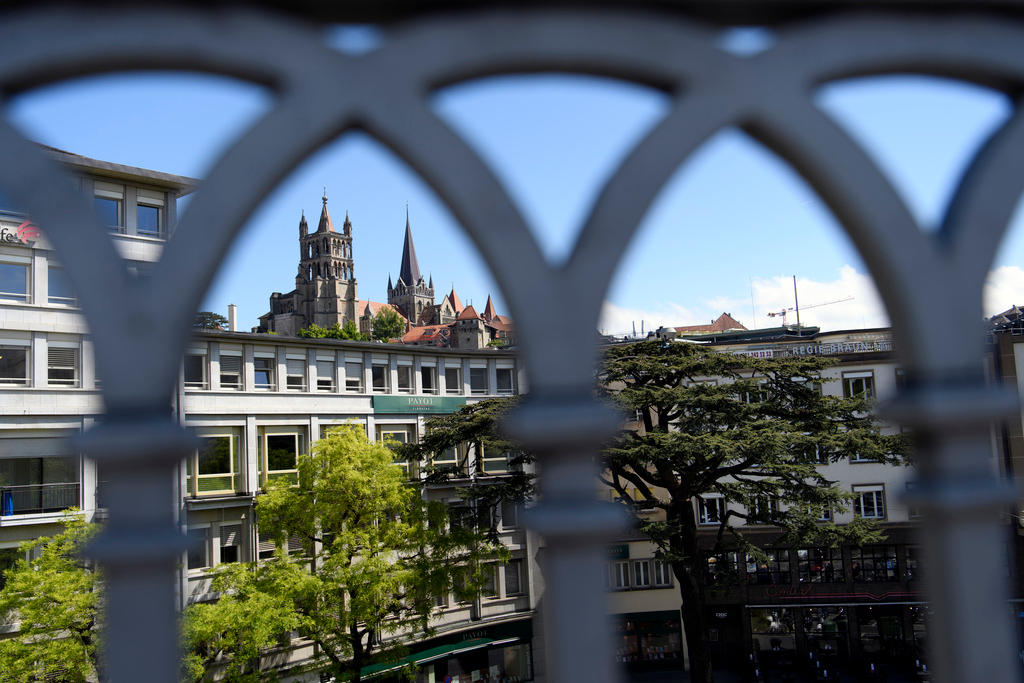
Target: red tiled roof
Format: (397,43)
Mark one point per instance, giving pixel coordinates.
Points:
(374,308)
(722,323)
(468,313)
(489,312)
(423,334)
(454,299)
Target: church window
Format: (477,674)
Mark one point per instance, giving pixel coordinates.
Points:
(506,383)
(428,378)
(478,380)
(380,378)
(453,380)
(405,379)
(354,377)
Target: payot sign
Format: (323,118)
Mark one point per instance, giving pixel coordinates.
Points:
(417,404)
(25,234)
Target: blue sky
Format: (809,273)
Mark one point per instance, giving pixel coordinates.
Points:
(726,234)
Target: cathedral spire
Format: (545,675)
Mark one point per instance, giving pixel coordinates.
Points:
(325,218)
(489,313)
(409,273)
(390,286)
(431,284)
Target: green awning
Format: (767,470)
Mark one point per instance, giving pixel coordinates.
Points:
(427,656)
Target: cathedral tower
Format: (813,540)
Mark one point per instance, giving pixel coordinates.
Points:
(326,279)
(411,295)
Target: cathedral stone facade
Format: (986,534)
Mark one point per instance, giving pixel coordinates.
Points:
(325,294)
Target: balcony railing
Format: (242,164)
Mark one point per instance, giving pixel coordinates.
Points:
(28,499)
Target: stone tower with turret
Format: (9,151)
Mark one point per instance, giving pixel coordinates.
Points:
(411,295)
(325,286)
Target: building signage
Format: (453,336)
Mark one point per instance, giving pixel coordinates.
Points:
(618,552)
(819,349)
(25,234)
(417,404)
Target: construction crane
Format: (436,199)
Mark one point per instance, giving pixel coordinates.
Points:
(796,307)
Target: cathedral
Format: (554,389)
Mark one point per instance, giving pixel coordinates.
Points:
(325,294)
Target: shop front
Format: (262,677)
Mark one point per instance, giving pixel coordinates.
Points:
(646,641)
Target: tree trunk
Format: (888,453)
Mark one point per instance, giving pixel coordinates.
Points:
(689,573)
(358,655)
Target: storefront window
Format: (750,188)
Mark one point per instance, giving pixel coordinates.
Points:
(821,565)
(771,568)
(881,630)
(826,629)
(651,638)
(874,563)
(773,628)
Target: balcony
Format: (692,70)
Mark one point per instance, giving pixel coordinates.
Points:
(29,499)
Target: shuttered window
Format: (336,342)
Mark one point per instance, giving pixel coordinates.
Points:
(62,366)
(266,545)
(230,542)
(325,375)
(296,377)
(231,372)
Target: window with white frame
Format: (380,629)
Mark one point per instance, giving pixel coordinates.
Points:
(620,575)
(641,574)
(14,365)
(452,380)
(859,384)
(505,378)
(380,374)
(108,203)
(230,370)
(869,501)
(821,513)
(295,373)
(451,459)
(194,370)
(428,379)
(764,509)
(149,213)
(405,385)
(493,461)
(325,371)
(59,291)
(661,573)
(514,577)
(710,510)
(354,376)
(489,589)
(478,381)
(213,469)
(280,448)
(263,368)
(14,280)
(62,366)
(509,514)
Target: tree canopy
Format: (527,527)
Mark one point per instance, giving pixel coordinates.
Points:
(375,557)
(750,431)
(207,320)
(347,331)
(53,598)
(387,324)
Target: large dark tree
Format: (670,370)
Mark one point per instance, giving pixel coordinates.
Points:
(207,320)
(752,431)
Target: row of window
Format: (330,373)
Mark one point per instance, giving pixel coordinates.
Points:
(16,283)
(112,202)
(215,468)
(62,365)
(868,502)
(327,375)
(644,574)
(867,564)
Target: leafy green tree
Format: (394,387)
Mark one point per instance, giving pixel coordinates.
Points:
(754,437)
(387,324)
(335,331)
(54,599)
(206,320)
(376,556)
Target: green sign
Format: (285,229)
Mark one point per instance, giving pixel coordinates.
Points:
(618,552)
(417,404)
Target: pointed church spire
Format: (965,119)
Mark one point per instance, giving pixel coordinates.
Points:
(347,225)
(303,227)
(410,270)
(325,218)
(431,284)
(390,286)
(489,313)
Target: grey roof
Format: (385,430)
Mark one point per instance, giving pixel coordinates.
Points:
(180,184)
(409,273)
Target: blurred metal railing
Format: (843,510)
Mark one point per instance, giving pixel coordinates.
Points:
(140,326)
(38,498)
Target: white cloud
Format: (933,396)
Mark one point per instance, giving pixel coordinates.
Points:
(1003,289)
(619,320)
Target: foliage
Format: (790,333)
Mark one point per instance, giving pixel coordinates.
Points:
(476,425)
(754,437)
(347,331)
(376,554)
(206,320)
(53,598)
(387,324)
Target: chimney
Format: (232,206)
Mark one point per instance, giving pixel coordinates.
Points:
(232,318)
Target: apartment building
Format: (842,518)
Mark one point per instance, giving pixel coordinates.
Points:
(257,401)
(849,606)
